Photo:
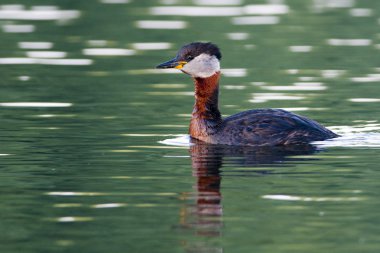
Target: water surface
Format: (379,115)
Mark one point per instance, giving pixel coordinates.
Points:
(87,157)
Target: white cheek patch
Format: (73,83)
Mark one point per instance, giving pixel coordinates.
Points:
(203,66)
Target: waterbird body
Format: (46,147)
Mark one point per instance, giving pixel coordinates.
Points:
(260,127)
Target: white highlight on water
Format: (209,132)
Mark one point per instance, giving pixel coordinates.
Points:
(74,62)
(35,104)
(354,140)
(73,219)
(234,72)
(46,54)
(349,42)
(321,5)
(115,1)
(253,9)
(265,97)
(97,43)
(307,78)
(37,14)
(18,28)
(151,45)
(237,36)
(256,20)
(266,9)
(364,100)
(182,140)
(332,73)
(196,11)
(300,49)
(161,24)
(219,2)
(108,52)
(109,205)
(24,78)
(301,86)
(35,45)
(361,12)
(309,199)
(366,79)
(75,193)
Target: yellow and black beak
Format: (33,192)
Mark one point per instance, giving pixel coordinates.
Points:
(174,63)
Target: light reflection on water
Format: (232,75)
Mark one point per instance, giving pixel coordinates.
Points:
(35,45)
(300,49)
(18,28)
(17,12)
(42,61)
(265,97)
(323,5)
(196,11)
(161,24)
(358,140)
(113,169)
(258,9)
(310,199)
(304,86)
(220,2)
(35,104)
(46,54)
(256,20)
(108,52)
(152,46)
(349,42)
(367,78)
(115,1)
(361,12)
(364,100)
(237,36)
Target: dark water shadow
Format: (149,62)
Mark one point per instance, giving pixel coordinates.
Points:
(203,215)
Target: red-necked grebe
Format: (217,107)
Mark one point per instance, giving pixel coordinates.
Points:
(261,127)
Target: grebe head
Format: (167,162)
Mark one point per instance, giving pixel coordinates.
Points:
(197,59)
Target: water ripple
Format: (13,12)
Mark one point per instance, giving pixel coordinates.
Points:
(309,199)
(355,140)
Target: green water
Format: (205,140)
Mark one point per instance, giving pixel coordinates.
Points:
(85,164)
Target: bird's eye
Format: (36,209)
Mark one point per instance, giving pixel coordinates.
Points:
(189,57)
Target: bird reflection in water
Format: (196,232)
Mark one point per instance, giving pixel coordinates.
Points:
(204,218)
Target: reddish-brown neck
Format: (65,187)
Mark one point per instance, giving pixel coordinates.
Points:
(206,115)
